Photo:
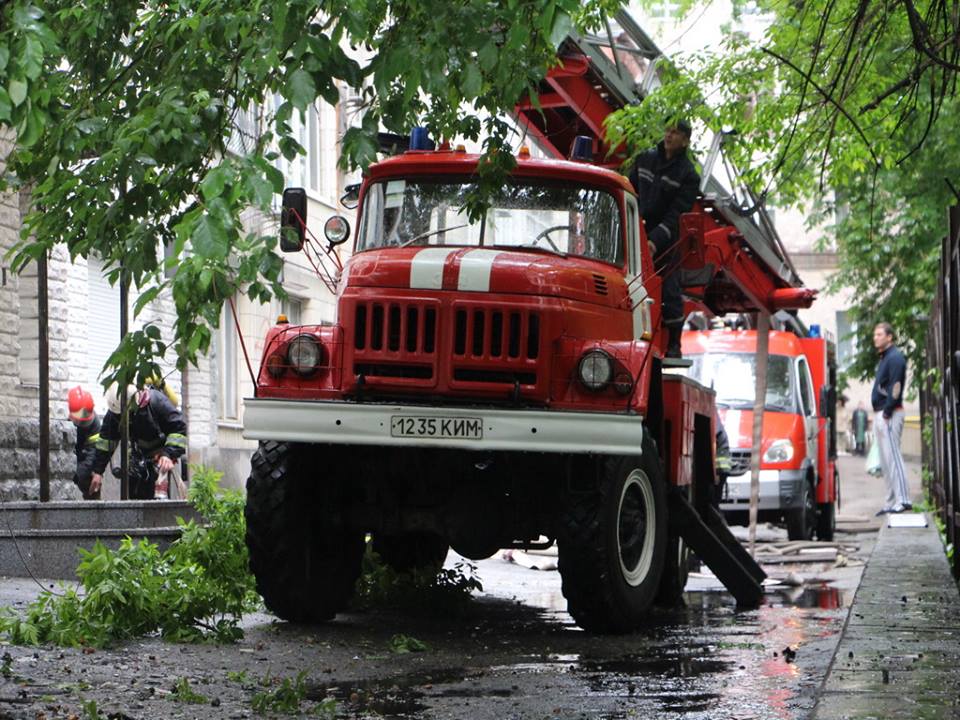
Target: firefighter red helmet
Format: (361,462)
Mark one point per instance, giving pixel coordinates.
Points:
(80,403)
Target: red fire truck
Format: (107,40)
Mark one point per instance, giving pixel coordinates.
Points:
(799,482)
(493,381)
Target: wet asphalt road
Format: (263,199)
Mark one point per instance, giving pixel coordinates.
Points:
(514,653)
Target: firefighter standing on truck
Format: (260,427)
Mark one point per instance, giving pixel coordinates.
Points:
(84,418)
(158,433)
(667,185)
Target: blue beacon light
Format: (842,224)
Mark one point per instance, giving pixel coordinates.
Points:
(582,150)
(420,139)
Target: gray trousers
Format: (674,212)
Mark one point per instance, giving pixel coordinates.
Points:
(888,434)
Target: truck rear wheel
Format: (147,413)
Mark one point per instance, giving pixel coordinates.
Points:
(409,551)
(802,521)
(305,561)
(676,565)
(676,571)
(613,543)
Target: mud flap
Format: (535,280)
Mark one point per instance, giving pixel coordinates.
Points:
(709,537)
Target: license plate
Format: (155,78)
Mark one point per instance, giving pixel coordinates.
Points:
(443,428)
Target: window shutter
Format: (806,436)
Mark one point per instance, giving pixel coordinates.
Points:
(103,329)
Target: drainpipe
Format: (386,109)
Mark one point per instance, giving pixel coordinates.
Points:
(124,415)
(43,351)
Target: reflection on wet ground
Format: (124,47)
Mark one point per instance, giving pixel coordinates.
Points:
(704,660)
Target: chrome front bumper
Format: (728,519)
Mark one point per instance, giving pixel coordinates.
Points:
(350,423)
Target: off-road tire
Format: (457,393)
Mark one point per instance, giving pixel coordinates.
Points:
(802,521)
(676,566)
(826,521)
(676,571)
(305,561)
(611,574)
(409,551)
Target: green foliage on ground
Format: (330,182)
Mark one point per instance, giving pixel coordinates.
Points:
(447,590)
(285,697)
(199,588)
(402,644)
(196,589)
(183,692)
(127,118)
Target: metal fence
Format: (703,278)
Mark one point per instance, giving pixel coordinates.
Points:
(940,396)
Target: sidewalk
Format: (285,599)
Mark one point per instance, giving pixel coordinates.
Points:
(899,654)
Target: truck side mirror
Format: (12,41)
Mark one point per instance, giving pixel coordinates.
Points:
(351,196)
(293,220)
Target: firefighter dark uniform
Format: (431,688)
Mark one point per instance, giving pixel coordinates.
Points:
(85,448)
(722,460)
(156,427)
(666,188)
(84,418)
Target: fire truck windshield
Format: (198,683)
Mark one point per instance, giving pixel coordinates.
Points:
(555,217)
(734,375)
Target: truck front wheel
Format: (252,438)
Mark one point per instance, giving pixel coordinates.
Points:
(305,560)
(613,543)
(802,520)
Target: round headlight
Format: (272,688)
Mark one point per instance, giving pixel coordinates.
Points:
(303,354)
(779,451)
(336,230)
(595,370)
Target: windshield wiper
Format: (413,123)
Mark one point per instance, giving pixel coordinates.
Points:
(777,408)
(427,234)
(735,402)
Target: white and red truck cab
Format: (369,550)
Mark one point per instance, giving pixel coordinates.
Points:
(799,482)
(493,379)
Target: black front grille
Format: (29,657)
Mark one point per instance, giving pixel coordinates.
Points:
(395,328)
(494,376)
(488,333)
(371,370)
(739,462)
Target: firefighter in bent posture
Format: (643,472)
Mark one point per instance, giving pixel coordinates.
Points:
(158,434)
(84,418)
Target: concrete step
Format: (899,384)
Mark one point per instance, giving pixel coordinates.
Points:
(43,539)
(64,515)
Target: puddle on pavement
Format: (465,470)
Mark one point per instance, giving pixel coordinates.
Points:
(394,697)
(821,597)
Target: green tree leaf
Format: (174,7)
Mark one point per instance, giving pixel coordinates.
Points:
(301,89)
(210,239)
(17,90)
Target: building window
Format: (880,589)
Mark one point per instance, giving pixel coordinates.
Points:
(103,319)
(665,10)
(28,358)
(292,307)
(227,356)
(307,171)
(245,132)
(846,340)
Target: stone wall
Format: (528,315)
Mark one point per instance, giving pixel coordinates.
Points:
(19,400)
